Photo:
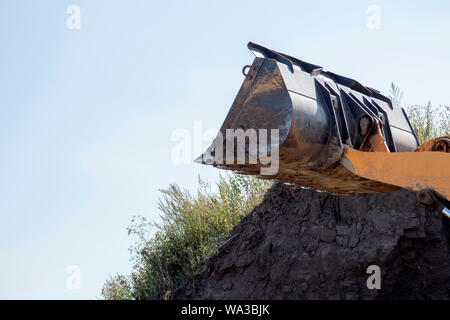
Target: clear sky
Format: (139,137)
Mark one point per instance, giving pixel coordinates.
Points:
(87,115)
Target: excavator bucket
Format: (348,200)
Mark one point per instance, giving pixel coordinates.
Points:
(294,122)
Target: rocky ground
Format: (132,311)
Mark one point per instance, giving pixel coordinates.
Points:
(303,244)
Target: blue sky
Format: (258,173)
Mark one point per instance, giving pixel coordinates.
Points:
(86,116)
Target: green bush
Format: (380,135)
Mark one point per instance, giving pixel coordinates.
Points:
(428,121)
(117,288)
(193,227)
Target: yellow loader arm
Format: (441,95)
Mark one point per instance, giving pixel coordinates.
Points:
(421,172)
(408,170)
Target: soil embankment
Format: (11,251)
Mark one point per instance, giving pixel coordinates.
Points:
(303,244)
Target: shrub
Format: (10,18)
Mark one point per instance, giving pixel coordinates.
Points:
(117,288)
(192,229)
(428,121)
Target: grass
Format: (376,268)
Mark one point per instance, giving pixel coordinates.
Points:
(192,229)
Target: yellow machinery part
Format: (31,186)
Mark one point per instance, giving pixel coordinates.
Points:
(410,170)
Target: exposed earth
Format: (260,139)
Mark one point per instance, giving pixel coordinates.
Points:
(303,244)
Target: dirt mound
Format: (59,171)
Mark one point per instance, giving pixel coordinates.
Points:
(303,244)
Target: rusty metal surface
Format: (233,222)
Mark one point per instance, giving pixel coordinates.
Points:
(375,141)
(441,144)
(335,179)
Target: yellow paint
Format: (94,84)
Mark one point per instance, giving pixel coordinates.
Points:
(410,170)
